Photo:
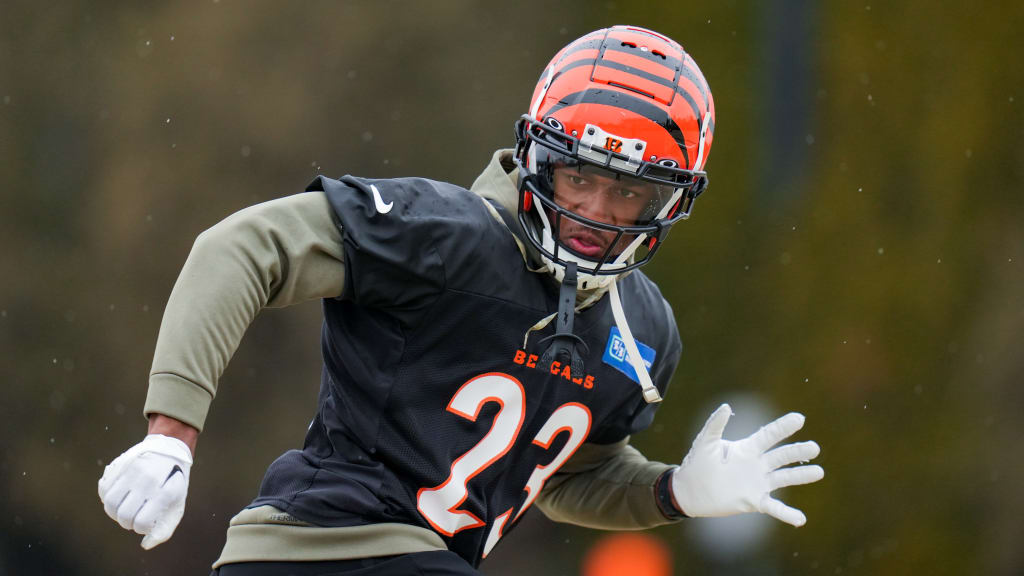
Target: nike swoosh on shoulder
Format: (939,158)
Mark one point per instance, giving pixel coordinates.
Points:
(378,202)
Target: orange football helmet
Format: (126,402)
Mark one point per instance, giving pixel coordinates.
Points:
(612,151)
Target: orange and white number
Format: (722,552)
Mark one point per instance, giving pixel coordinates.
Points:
(439,505)
(573,418)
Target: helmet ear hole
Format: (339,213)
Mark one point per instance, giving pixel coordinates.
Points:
(554,123)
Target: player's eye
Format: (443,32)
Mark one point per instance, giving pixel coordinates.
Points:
(577,180)
(627,193)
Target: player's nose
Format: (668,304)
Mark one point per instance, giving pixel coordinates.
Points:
(597,205)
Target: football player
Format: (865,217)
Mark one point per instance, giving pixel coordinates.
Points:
(485,350)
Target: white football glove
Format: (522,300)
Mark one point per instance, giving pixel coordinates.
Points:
(144,489)
(722,477)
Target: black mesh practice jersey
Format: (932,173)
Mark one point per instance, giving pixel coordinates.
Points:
(431,410)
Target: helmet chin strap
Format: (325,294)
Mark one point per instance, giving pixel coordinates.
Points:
(564,342)
(632,352)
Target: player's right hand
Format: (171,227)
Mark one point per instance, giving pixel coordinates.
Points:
(144,489)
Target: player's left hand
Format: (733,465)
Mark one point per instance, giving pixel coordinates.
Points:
(722,477)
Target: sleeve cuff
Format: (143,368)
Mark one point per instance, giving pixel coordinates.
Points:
(181,399)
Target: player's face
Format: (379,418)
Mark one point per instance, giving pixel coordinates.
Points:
(604,197)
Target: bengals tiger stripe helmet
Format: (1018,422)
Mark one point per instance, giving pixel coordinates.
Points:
(612,151)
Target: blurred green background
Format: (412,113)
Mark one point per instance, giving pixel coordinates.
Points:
(859,255)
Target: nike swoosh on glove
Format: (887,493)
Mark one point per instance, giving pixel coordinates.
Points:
(144,489)
(722,477)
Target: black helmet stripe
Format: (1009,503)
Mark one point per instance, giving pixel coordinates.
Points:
(640,73)
(637,72)
(667,61)
(606,43)
(657,80)
(621,67)
(697,80)
(673,64)
(612,97)
(592,44)
(576,64)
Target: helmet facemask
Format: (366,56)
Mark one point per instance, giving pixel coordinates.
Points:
(597,205)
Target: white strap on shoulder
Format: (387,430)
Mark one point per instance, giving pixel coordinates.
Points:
(632,352)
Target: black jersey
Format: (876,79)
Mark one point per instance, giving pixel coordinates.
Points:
(432,412)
